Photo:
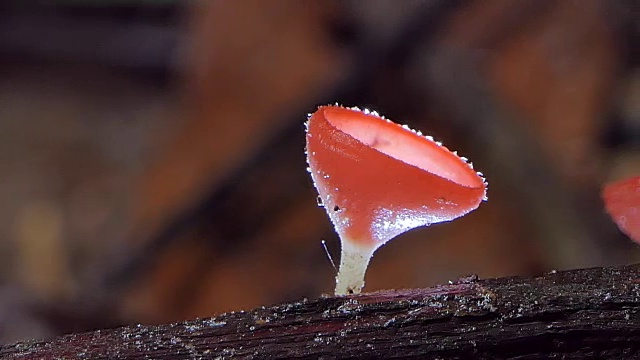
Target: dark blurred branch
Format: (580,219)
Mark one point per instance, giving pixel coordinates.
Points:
(570,228)
(116,40)
(513,152)
(592,313)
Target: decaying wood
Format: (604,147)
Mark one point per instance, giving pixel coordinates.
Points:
(591,313)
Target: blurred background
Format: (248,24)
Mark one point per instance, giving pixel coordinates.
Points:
(151,152)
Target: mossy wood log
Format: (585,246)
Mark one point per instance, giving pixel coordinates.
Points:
(589,313)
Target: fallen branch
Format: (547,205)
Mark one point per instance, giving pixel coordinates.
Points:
(591,313)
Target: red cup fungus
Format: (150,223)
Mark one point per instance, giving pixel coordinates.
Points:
(377,179)
(622,201)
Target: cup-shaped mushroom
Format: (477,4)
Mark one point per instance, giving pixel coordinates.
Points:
(622,201)
(377,179)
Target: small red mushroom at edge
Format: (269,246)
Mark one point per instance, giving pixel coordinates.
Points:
(622,201)
(378,179)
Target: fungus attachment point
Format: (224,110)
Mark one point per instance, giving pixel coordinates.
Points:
(377,179)
(622,201)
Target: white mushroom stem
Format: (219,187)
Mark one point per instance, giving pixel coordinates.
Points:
(353,265)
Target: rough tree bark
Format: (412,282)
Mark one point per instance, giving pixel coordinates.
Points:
(578,314)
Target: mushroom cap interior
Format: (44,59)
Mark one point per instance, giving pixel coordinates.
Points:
(403,144)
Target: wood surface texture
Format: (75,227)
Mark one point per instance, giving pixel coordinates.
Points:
(589,313)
